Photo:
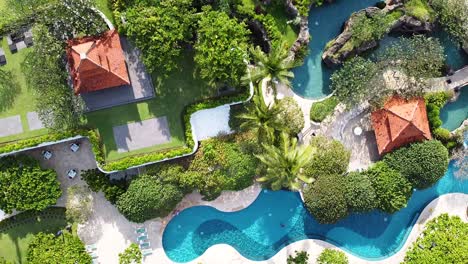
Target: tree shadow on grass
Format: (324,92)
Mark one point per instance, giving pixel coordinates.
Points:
(9,90)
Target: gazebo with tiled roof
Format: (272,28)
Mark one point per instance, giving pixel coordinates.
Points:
(400,122)
(97,63)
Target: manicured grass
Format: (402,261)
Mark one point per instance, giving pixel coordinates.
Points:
(103,6)
(172,95)
(321,110)
(24,100)
(15,240)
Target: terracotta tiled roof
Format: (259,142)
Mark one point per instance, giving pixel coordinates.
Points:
(400,122)
(97,63)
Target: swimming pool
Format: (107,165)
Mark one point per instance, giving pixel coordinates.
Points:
(312,79)
(277,219)
(453,114)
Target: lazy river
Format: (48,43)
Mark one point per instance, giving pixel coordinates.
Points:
(454,113)
(276,219)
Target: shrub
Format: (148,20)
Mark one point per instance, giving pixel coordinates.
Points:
(422,164)
(98,181)
(332,256)
(46,248)
(148,198)
(359,193)
(301,257)
(131,255)
(325,199)
(391,188)
(25,186)
(420,9)
(442,241)
(453,16)
(331,158)
(290,116)
(442,134)
(320,110)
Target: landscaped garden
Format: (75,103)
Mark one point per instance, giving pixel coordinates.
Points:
(362,176)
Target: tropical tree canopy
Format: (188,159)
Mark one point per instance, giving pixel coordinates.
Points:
(285,164)
(131,255)
(359,193)
(333,158)
(290,116)
(25,186)
(332,256)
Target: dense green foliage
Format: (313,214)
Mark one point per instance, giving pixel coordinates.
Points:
(422,164)
(393,190)
(131,255)
(9,88)
(453,15)
(325,199)
(303,6)
(290,117)
(148,198)
(366,29)
(98,181)
(442,241)
(420,9)
(79,203)
(221,48)
(331,158)
(301,257)
(25,186)
(332,256)
(285,164)
(160,30)
(320,110)
(67,249)
(352,83)
(359,193)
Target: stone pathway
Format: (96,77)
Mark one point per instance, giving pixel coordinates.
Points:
(10,126)
(142,134)
(211,122)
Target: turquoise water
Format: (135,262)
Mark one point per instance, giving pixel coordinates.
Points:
(325,23)
(277,219)
(453,114)
(312,79)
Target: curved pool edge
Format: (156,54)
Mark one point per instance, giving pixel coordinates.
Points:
(452,203)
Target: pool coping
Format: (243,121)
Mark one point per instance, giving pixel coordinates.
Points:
(452,203)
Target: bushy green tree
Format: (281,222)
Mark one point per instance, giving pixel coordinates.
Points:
(131,255)
(301,257)
(352,83)
(160,30)
(423,164)
(442,241)
(359,193)
(331,158)
(66,249)
(148,198)
(332,256)
(221,48)
(290,116)
(25,186)
(79,203)
(392,189)
(98,181)
(285,164)
(453,15)
(325,199)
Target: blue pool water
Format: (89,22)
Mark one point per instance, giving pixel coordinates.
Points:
(453,114)
(277,219)
(325,23)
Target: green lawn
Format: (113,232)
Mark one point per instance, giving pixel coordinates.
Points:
(15,240)
(103,6)
(172,95)
(24,100)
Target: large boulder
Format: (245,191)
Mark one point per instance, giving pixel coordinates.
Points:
(410,25)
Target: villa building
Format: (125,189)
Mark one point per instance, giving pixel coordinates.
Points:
(400,122)
(97,63)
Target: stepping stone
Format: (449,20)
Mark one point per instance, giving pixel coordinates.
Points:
(142,134)
(34,122)
(10,126)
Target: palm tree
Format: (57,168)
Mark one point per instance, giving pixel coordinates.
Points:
(261,119)
(275,66)
(285,164)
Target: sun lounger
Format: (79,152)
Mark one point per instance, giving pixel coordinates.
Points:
(144,237)
(91,247)
(140,230)
(146,252)
(144,245)
(94,255)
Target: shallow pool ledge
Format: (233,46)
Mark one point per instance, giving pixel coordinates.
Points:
(453,204)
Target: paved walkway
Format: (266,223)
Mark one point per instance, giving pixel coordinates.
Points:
(211,122)
(11,126)
(457,80)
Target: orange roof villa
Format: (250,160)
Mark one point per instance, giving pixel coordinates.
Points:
(97,63)
(400,122)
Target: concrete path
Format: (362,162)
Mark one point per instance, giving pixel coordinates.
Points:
(33,121)
(142,134)
(211,122)
(11,126)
